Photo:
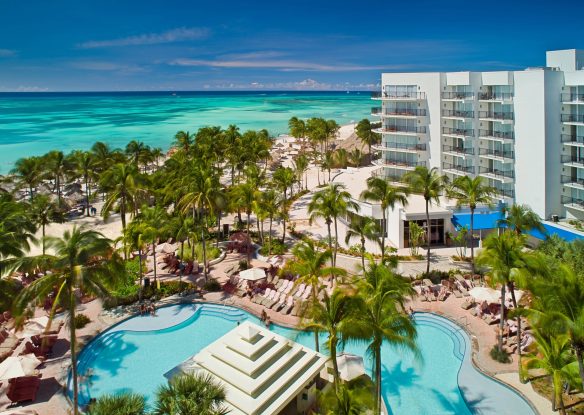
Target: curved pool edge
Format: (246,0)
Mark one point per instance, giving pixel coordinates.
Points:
(476,366)
(469,336)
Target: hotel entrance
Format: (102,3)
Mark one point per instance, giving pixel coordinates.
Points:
(436,231)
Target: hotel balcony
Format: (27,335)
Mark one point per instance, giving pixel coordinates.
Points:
(405,96)
(489,153)
(573,118)
(384,174)
(457,114)
(403,147)
(499,136)
(506,176)
(402,164)
(569,98)
(509,193)
(573,161)
(573,140)
(399,129)
(572,202)
(574,182)
(457,151)
(398,113)
(458,132)
(457,96)
(457,169)
(496,116)
(496,96)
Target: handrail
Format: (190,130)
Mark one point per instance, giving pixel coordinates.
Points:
(496,134)
(468,132)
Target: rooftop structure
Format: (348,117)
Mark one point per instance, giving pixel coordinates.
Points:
(261,371)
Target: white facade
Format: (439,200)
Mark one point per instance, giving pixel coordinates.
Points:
(522,131)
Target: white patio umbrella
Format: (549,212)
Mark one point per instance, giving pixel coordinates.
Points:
(491,295)
(17,366)
(350,366)
(253,274)
(34,326)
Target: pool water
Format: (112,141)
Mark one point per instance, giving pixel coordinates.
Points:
(135,354)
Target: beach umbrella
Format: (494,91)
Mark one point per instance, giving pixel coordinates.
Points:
(17,366)
(34,326)
(481,294)
(350,366)
(252,274)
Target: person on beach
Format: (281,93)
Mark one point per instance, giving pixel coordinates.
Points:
(264,316)
(142,309)
(268,322)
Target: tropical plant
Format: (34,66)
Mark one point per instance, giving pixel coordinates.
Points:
(331,203)
(431,185)
(381,317)
(125,403)
(284,178)
(301,164)
(461,242)
(83,165)
(364,228)
(416,235)
(151,219)
(353,398)
(244,196)
(183,140)
(83,260)
(310,264)
(125,192)
(381,191)
(521,218)
(189,395)
(17,229)
(28,173)
(355,157)
(138,152)
(44,212)
(269,202)
(56,167)
(368,137)
(471,192)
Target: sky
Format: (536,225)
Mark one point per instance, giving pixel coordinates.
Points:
(128,45)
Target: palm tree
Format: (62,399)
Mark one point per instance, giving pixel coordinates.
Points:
(310,264)
(471,192)
(331,203)
(556,359)
(134,237)
(83,260)
(123,184)
(521,218)
(354,398)
(270,204)
(57,167)
(381,191)
(381,317)
(297,127)
(137,152)
(84,165)
(301,167)
(430,184)
(364,130)
(125,403)
(45,212)
(244,196)
(191,394)
(183,140)
(362,227)
(503,255)
(16,230)
(28,172)
(327,163)
(355,157)
(284,178)
(105,157)
(152,229)
(331,317)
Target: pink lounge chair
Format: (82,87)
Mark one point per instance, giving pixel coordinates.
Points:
(300,291)
(269,298)
(289,305)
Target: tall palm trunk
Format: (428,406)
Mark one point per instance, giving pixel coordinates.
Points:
(73,347)
(219,233)
(43,226)
(580,357)
(249,237)
(514,300)
(472,260)
(30,190)
(378,379)
(87,196)
(140,272)
(314,301)
(363,253)
(154,258)
(502,320)
(333,352)
(270,237)
(428,237)
(336,244)
(58,185)
(383,232)
(204,243)
(283,230)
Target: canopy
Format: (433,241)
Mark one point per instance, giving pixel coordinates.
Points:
(490,295)
(253,274)
(350,367)
(17,366)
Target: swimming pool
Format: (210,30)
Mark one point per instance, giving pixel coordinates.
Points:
(135,354)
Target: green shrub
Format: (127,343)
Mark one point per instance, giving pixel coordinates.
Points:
(81,320)
(278,248)
(212,285)
(499,355)
(9,289)
(243,265)
(212,252)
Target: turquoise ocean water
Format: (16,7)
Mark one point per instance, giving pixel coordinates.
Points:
(32,124)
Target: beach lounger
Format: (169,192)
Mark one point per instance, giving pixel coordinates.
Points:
(269,298)
(490,319)
(23,389)
(261,297)
(274,301)
(296,308)
(281,302)
(284,286)
(468,303)
(306,293)
(279,284)
(289,288)
(298,293)
(289,305)
(276,280)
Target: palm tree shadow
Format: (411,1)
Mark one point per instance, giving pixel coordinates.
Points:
(109,362)
(395,379)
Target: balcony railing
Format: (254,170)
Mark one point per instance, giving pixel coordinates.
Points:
(466,132)
(404,146)
(573,159)
(496,153)
(573,118)
(398,112)
(497,173)
(505,192)
(496,134)
(457,149)
(402,129)
(457,95)
(496,115)
(457,113)
(572,138)
(578,203)
(573,180)
(458,167)
(495,96)
(403,163)
(398,95)
(389,177)
(573,97)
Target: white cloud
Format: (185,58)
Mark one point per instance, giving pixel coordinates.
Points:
(6,53)
(107,66)
(170,36)
(305,84)
(24,88)
(280,64)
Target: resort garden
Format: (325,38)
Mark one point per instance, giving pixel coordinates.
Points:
(173,207)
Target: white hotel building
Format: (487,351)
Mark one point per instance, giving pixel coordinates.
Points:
(522,131)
